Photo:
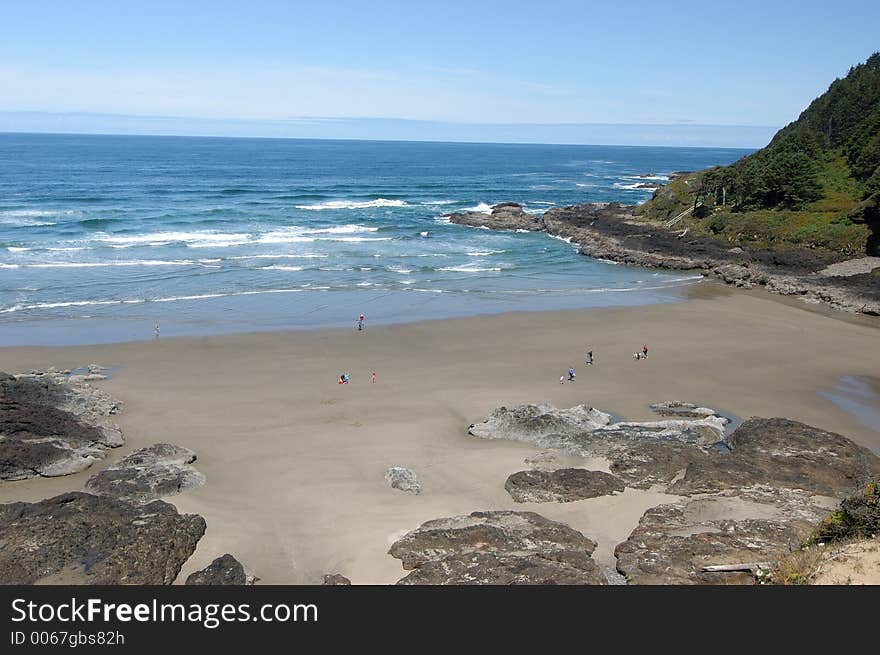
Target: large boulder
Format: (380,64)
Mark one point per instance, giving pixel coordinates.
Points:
(497,547)
(148,473)
(225,570)
(561,485)
(80,538)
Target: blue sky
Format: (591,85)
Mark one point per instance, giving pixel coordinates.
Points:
(516,71)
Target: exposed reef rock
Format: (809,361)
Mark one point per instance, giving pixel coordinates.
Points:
(80,538)
(497,547)
(401,478)
(562,485)
(225,570)
(504,216)
(51,426)
(148,473)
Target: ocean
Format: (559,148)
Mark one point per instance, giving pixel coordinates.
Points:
(103,237)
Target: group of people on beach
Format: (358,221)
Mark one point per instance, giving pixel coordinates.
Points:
(588,360)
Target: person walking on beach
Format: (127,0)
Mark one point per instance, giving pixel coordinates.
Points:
(589,358)
(561,379)
(645,351)
(361,324)
(372,377)
(156,331)
(571,374)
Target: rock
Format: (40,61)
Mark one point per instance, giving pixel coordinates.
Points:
(90,405)
(38,440)
(401,478)
(542,425)
(80,538)
(148,473)
(562,485)
(497,547)
(332,579)
(583,429)
(782,453)
(225,570)
(681,409)
(504,216)
(673,542)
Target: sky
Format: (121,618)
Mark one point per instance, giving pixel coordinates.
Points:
(636,73)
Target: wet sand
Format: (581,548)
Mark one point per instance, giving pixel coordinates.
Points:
(295,462)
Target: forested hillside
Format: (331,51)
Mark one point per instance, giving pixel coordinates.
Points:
(815,185)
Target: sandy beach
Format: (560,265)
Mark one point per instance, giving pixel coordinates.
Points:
(294,461)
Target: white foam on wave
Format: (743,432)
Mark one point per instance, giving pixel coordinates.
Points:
(143,262)
(484,253)
(468,269)
(658,178)
(442,220)
(428,203)
(306,255)
(632,187)
(342,229)
(279,267)
(353,204)
(400,269)
(15,249)
(357,239)
(191,239)
(480,207)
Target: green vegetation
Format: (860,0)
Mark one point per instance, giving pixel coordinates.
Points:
(857,517)
(815,185)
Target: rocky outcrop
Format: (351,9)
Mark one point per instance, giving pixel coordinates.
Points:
(611,231)
(401,478)
(561,485)
(674,543)
(80,538)
(225,570)
(751,504)
(504,216)
(148,473)
(497,547)
(50,426)
(335,579)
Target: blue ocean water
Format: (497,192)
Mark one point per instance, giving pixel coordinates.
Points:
(102,237)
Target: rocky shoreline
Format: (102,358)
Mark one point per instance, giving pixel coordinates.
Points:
(611,231)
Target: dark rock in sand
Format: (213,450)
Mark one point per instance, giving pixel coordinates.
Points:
(148,473)
(335,579)
(497,547)
(80,538)
(504,216)
(225,570)
(36,440)
(561,485)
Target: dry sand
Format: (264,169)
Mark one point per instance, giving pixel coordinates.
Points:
(295,462)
